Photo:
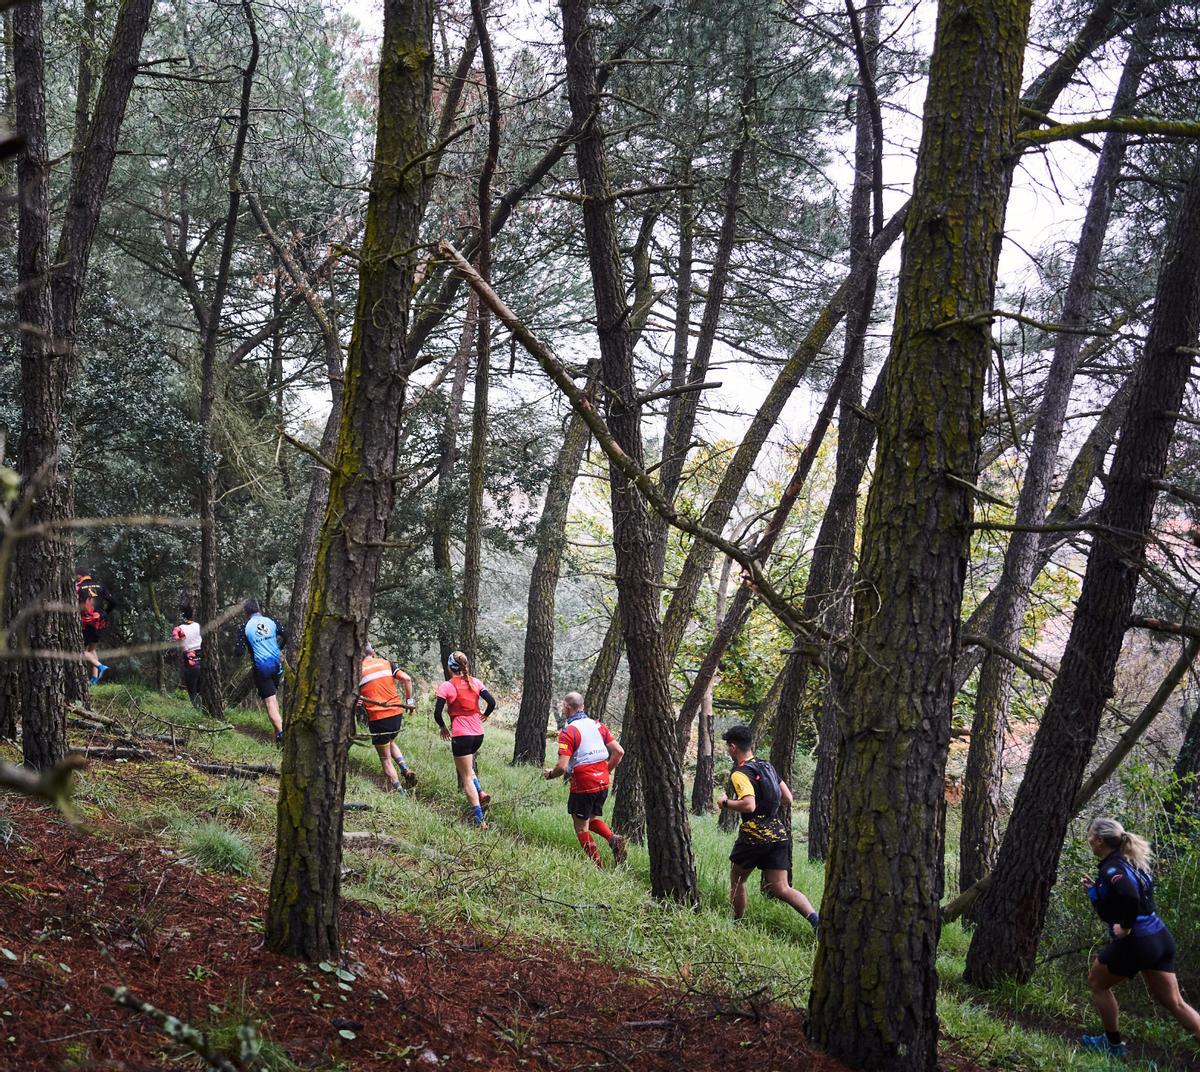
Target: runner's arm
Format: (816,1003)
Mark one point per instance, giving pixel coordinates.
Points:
(488,699)
(615,754)
(438,708)
(785,794)
(559,770)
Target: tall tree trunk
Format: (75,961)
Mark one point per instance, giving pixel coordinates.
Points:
(1011,913)
(672,867)
(885,863)
(628,806)
(212,687)
(830,574)
(443,517)
(983,782)
(702,787)
(39,580)
(477,465)
(48,310)
(604,669)
(537,680)
(302,916)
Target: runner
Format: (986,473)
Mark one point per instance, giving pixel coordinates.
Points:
(462,693)
(380,699)
(763,841)
(589,753)
(261,637)
(1123,897)
(187,634)
(95,605)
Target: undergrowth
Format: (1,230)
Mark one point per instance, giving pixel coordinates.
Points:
(526,880)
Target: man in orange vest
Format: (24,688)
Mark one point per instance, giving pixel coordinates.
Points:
(380,698)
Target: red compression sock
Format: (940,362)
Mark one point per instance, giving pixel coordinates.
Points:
(589,846)
(602,828)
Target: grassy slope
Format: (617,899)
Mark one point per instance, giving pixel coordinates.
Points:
(526,878)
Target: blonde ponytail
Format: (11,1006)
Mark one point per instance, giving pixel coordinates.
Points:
(1135,849)
(464,664)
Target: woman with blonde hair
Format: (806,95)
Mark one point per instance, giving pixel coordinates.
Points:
(1123,896)
(462,693)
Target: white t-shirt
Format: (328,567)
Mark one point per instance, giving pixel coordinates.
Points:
(188,635)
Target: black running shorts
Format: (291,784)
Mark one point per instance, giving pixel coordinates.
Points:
(191,678)
(384,730)
(466,746)
(1128,956)
(267,682)
(771,856)
(91,635)
(587,805)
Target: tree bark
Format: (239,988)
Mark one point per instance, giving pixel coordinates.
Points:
(39,580)
(443,517)
(702,786)
(212,688)
(885,864)
(830,574)
(477,464)
(302,916)
(672,867)
(983,782)
(537,679)
(1011,913)
(49,318)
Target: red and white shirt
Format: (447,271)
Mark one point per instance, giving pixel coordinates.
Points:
(586,742)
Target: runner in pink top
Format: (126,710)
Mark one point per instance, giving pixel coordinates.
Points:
(462,694)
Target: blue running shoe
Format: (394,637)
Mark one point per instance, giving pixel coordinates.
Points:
(101,671)
(1100,1044)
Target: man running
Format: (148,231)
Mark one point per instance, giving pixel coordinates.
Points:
(589,753)
(380,699)
(262,636)
(95,605)
(763,841)
(187,634)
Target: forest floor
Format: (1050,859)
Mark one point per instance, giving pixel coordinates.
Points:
(498,950)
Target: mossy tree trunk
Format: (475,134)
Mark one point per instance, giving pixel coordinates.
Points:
(302,916)
(884,879)
(980,837)
(1011,913)
(672,866)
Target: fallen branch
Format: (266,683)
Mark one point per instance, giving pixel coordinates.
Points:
(114,752)
(181,1032)
(53,785)
(237,770)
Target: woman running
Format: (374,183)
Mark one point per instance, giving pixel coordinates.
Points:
(187,634)
(1122,895)
(462,694)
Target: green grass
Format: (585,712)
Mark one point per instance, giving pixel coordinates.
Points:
(526,880)
(219,849)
